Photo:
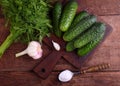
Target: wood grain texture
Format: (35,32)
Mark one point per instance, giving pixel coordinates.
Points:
(17,72)
(102,7)
(30,79)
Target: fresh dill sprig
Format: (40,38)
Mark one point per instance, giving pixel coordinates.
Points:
(28,20)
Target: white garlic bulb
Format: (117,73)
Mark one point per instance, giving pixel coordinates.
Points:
(34,50)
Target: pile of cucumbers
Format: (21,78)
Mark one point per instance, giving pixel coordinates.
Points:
(81,31)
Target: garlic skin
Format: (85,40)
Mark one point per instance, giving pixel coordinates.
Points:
(34,50)
(56,45)
(65,76)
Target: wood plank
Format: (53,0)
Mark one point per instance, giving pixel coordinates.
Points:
(30,79)
(100,7)
(26,79)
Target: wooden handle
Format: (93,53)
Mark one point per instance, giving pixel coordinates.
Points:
(47,65)
(95,68)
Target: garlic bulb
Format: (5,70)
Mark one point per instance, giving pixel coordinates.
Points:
(56,45)
(34,50)
(65,76)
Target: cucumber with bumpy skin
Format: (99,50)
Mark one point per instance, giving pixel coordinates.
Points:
(68,15)
(83,25)
(57,10)
(90,46)
(70,46)
(79,17)
(96,30)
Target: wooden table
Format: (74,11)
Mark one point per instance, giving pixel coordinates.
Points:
(18,72)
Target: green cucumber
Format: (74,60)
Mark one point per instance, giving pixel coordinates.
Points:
(79,17)
(57,10)
(68,15)
(70,46)
(90,46)
(96,30)
(83,25)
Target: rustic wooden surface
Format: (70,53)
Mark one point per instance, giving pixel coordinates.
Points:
(18,72)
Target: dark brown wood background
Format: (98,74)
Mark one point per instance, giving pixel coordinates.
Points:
(18,72)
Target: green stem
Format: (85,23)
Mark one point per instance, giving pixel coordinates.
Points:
(9,40)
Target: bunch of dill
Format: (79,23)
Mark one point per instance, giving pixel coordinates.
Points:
(28,20)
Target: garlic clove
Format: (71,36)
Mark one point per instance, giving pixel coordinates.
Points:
(56,45)
(65,76)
